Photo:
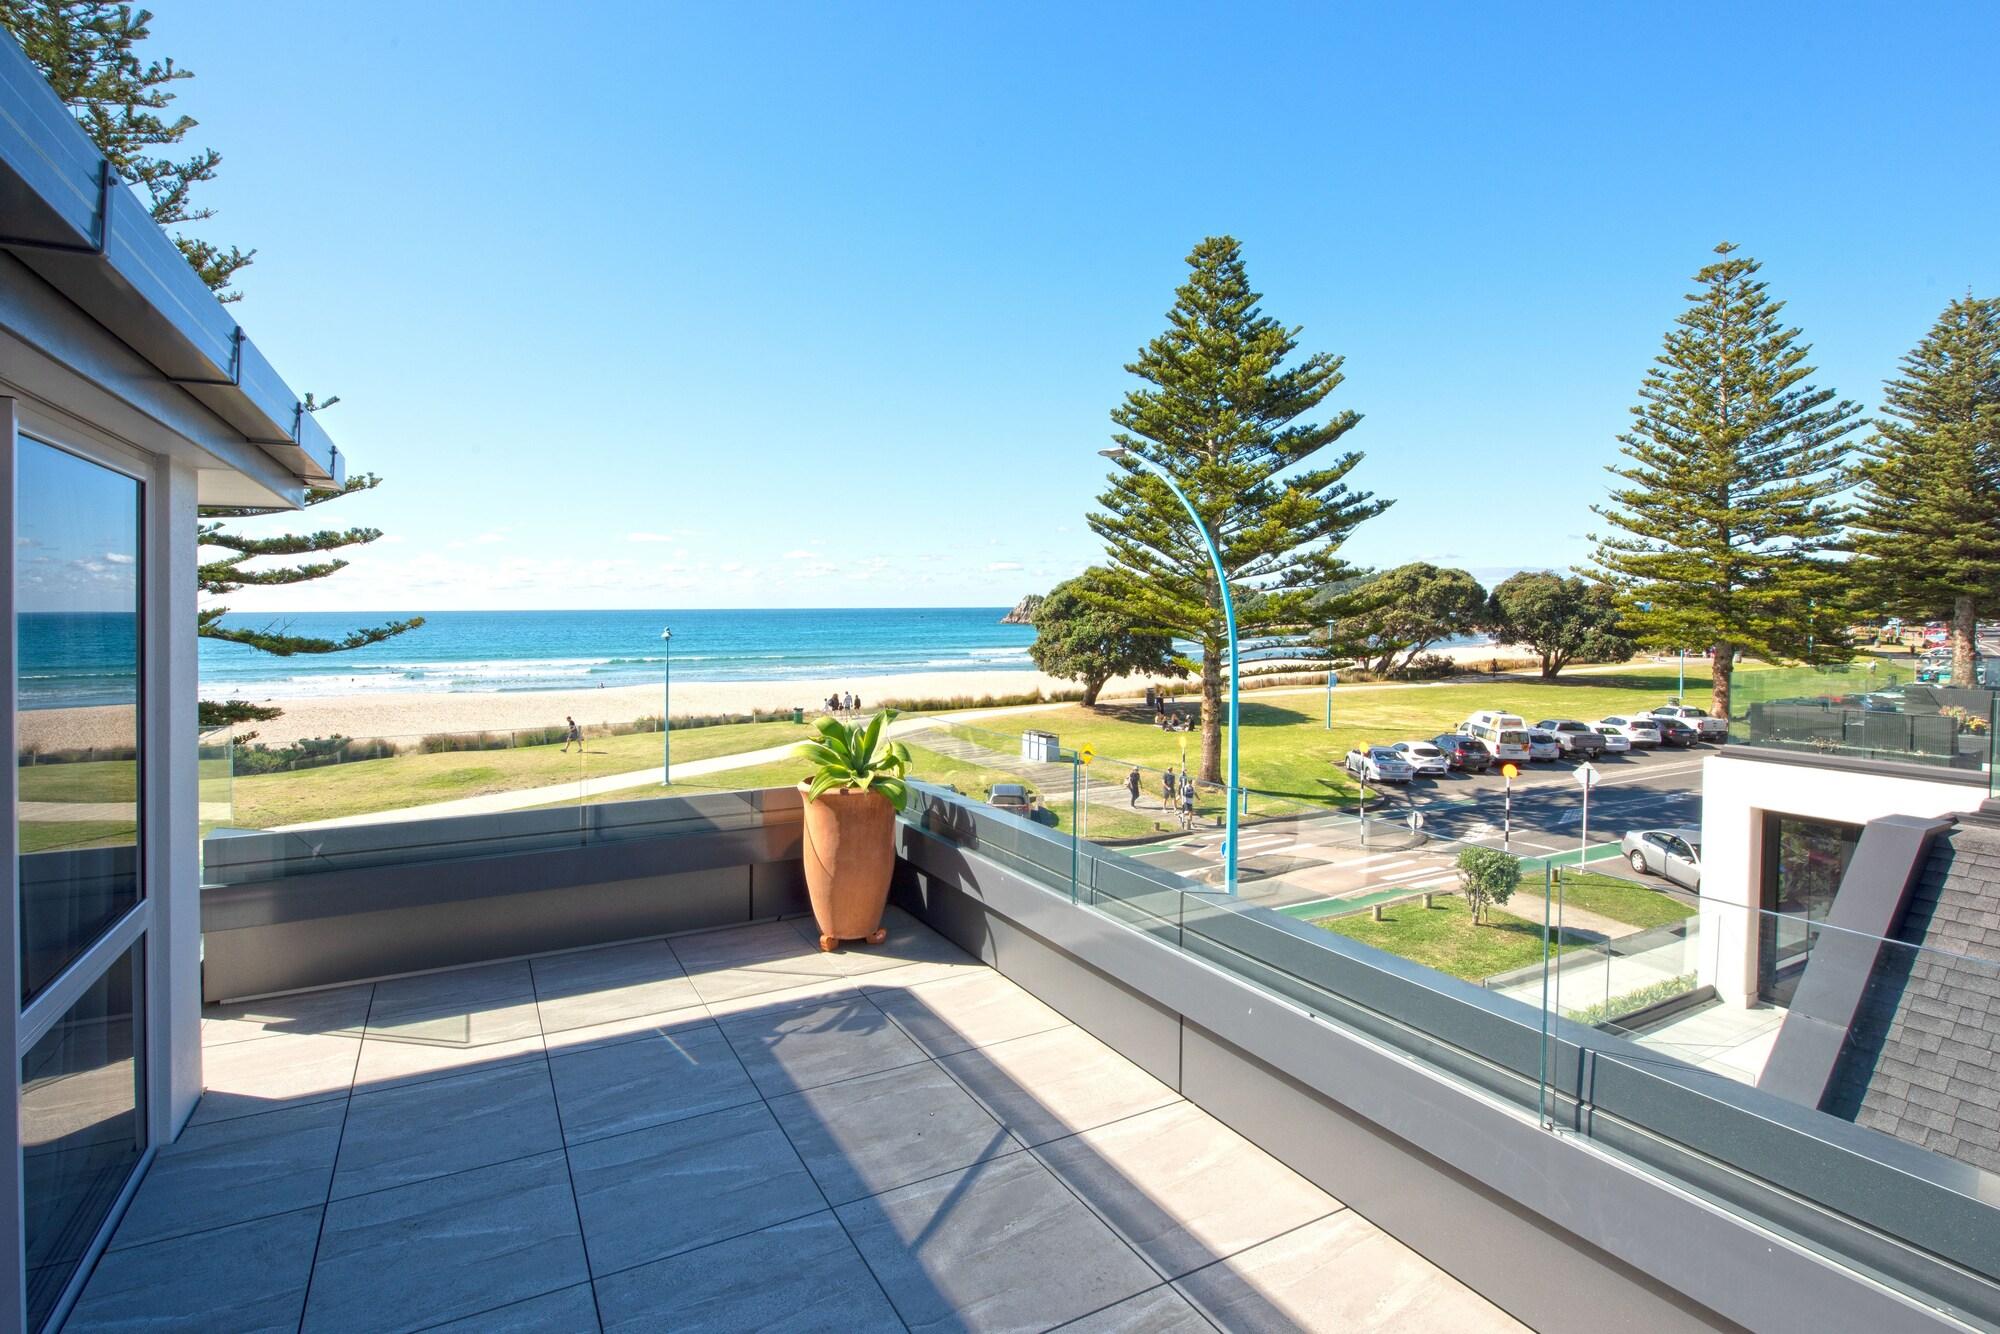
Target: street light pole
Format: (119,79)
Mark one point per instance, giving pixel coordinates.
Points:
(666,705)
(1229,616)
(1331,679)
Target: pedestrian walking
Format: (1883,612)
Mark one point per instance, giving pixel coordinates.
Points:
(1167,786)
(574,734)
(1187,804)
(1132,784)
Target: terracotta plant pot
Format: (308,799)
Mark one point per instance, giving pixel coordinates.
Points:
(850,853)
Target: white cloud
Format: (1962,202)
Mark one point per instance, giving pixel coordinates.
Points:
(118,558)
(652,537)
(798,555)
(999,566)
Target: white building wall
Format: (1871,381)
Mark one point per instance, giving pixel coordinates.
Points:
(1736,792)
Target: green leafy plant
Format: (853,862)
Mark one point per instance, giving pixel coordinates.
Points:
(855,757)
(1487,876)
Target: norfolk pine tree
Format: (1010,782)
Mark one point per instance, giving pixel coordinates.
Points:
(87,50)
(1220,412)
(1732,468)
(1926,527)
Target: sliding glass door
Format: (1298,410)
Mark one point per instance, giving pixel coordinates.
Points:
(79,715)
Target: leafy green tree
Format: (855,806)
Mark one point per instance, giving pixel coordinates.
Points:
(88,51)
(1221,412)
(1563,620)
(1487,876)
(1401,612)
(1733,466)
(1926,526)
(1084,632)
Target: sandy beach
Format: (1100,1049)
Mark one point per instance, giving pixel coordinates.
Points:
(418,713)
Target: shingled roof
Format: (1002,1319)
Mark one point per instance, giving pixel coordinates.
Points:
(1922,1060)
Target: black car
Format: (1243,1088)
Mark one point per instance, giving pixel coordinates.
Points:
(1464,753)
(1674,732)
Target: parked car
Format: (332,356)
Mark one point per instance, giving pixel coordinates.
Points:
(1674,732)
(1642,731)
(1701,720)
(1462,752)
(1578,740)
(1424,757)
(1672,853)
(1379,764)
(1615,741)
(1543,745)
(1015,797)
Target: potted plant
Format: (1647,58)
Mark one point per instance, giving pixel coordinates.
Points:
(851,802)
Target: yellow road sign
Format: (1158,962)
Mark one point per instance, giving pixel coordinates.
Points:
(1510,771)
(1086,754)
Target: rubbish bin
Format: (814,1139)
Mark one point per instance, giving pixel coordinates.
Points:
(798,715)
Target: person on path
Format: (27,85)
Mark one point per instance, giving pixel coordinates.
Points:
(857,703)
(574,734)
(1167,786)
(1187,804)
(1132,784)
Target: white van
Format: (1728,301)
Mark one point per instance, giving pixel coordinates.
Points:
(1505,735)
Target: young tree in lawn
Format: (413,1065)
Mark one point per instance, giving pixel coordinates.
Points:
(1487,876)
(1728,508)
(1084,632)
(1563,620)
(1222,413)
(88,51)
(1401,612)
(1926,527)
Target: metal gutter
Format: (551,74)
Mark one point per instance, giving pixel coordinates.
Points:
(64,214)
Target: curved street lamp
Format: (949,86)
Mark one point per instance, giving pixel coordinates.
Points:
(1229,616)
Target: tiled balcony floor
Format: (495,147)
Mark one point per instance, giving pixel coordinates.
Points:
(724,1131)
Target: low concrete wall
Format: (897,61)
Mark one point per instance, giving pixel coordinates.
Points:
(285,912)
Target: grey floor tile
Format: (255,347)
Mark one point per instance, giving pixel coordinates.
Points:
(1047,1085)
(958,1013)
(864,1136)
(454,991)
(618,982)
(749,981)
(446,1248)
(608,1090)
(1182,1188)
(478,1026)
(233,1171)
(801,1277)
(998,1246)
(1340,1273)
(1159,1311)
(386,1063)
(567,1311)
(707,951)
(669,1188)
(909,942)
(249,1278)
(735,997)
(340,1010)
(629,1028)
(799,1049)
(288,1070)
(413,1133)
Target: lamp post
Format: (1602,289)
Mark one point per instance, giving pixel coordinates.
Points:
(1229,617)
(1332,677)
(666,704)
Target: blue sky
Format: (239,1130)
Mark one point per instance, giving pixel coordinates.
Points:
(825,306)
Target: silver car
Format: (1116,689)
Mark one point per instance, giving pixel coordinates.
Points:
(1672,853)
(1379,764)
(1424,757)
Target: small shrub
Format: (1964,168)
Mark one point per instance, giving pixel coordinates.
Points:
(1487,876)
(1633,1001)
(1428,667)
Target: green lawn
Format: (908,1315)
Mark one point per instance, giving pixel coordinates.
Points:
(1620,900)
(1444,938)
(86,780)
(262,801)
(49,835)
(1287,751)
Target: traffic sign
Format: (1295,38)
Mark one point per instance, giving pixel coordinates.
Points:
(1086,754)
(1333,678)
(1510,770)
(1416,821)
(1587,774)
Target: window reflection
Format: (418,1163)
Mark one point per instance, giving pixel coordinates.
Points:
(1804,861)
(81,1130)
(77,567)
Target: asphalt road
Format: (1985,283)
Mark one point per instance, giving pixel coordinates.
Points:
(1321,859)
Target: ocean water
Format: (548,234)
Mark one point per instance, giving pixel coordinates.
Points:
(558,650)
